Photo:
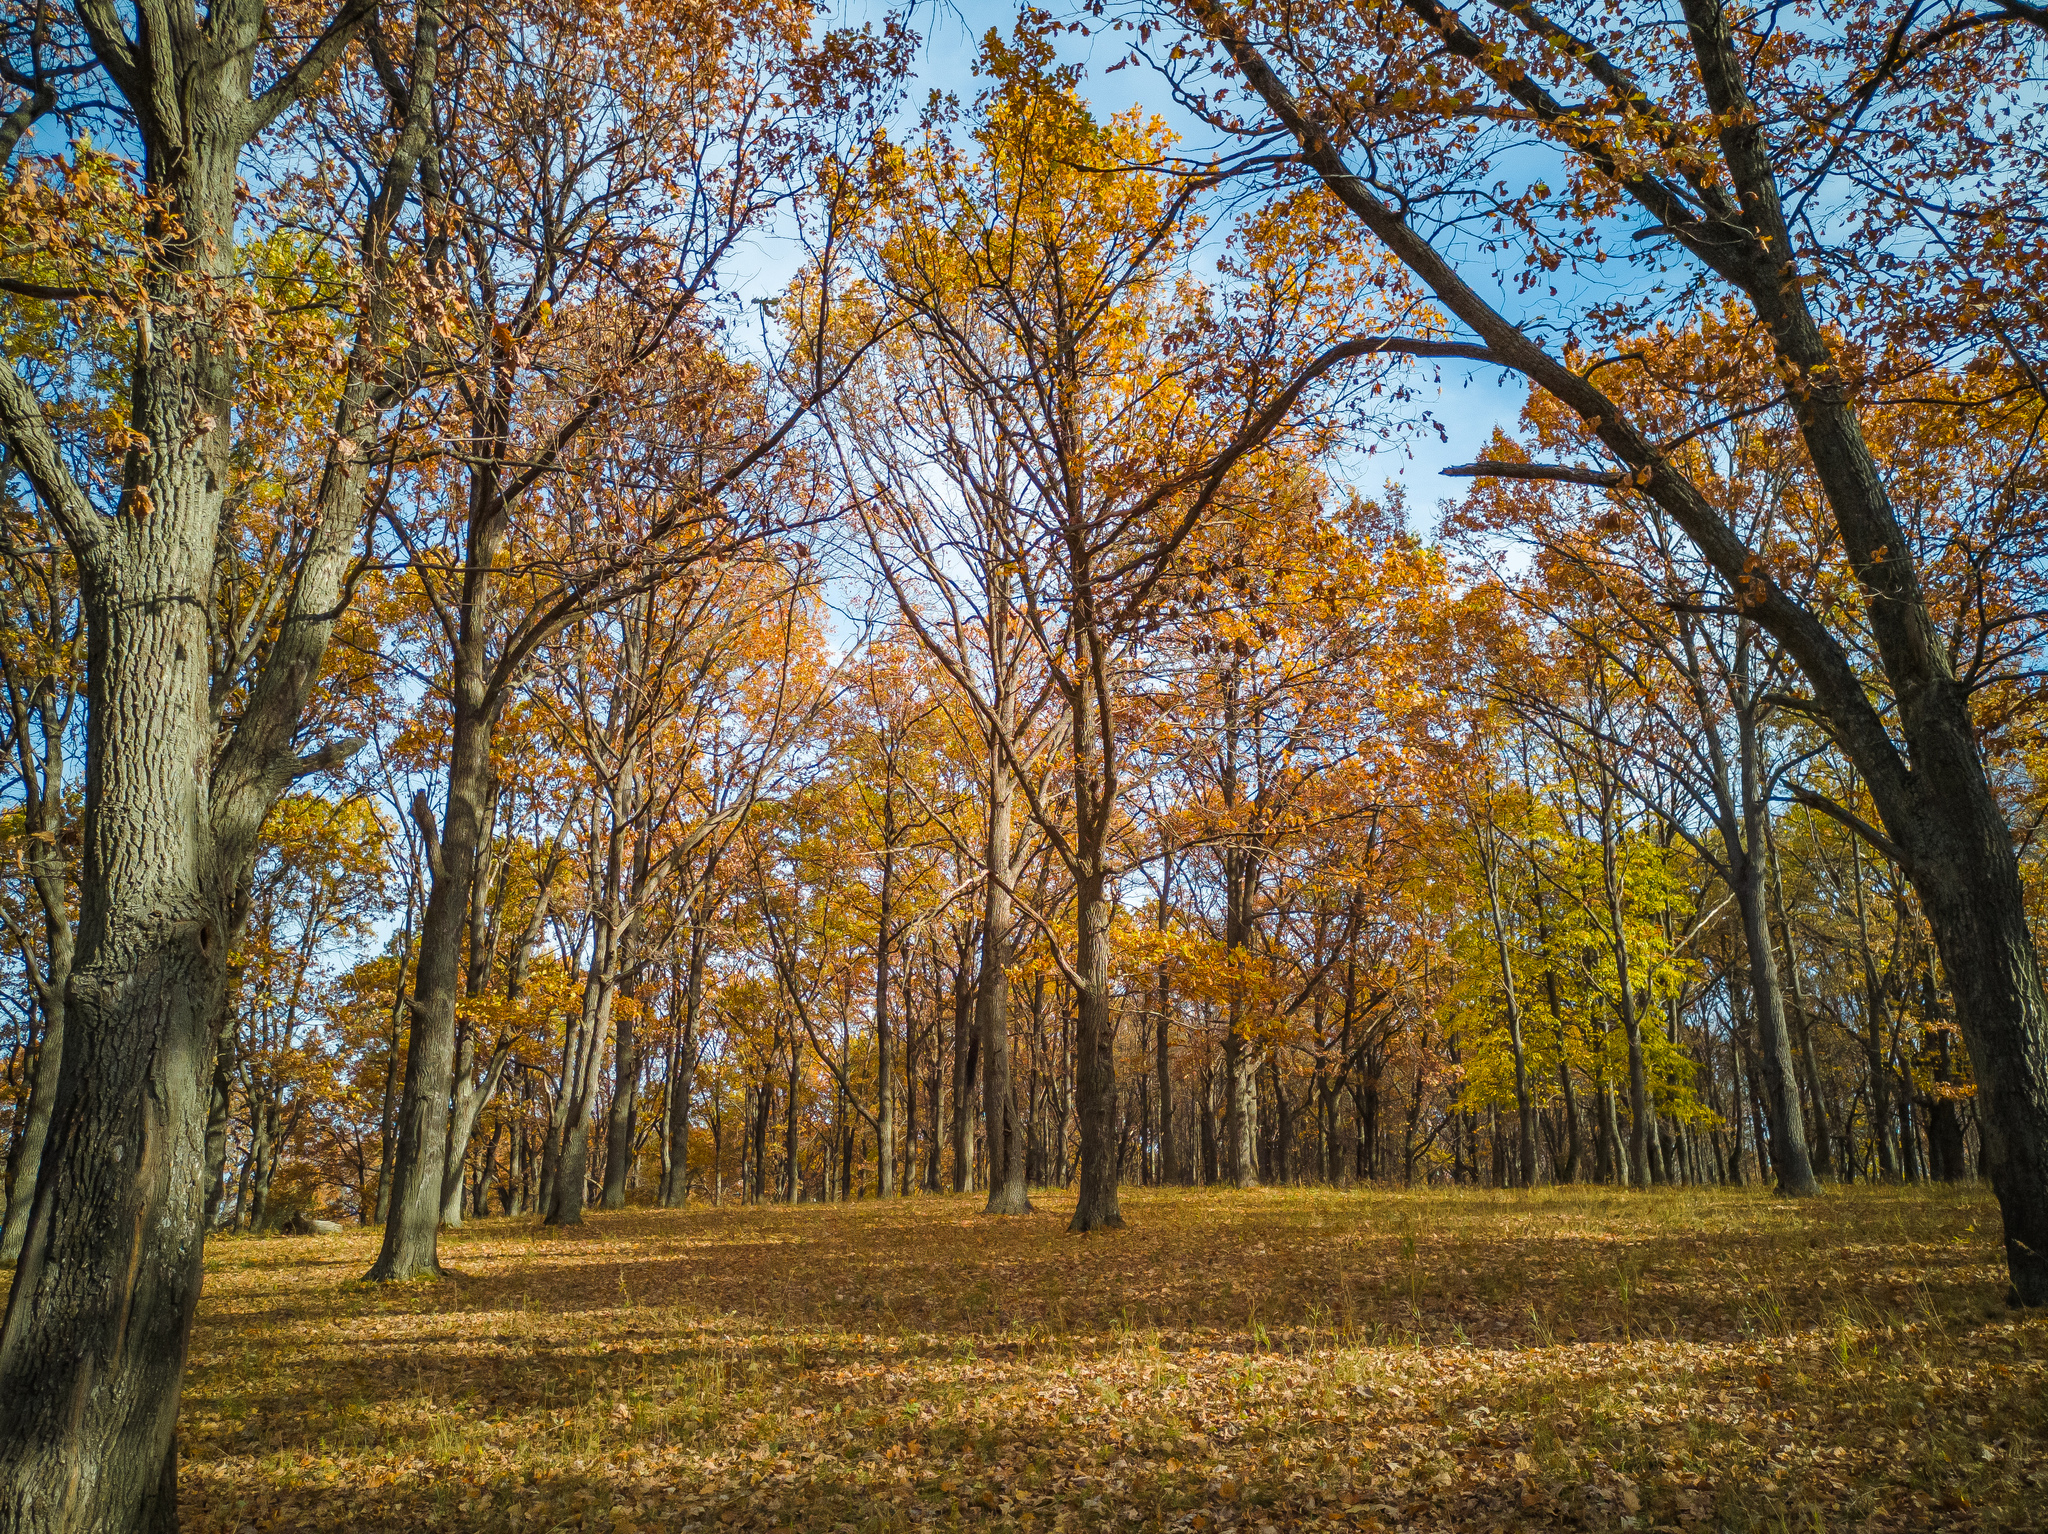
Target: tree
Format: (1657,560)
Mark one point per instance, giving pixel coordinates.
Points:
(1677,126)
(1048,280)
(93,1346)
(607,444)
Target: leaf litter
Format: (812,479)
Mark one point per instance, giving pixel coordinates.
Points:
(1243,1362)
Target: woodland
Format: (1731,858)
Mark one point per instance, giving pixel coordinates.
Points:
(746,787)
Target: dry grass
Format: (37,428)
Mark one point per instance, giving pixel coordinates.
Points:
(1283,1360)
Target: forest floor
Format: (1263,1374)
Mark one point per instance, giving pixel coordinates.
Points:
(1232,1361)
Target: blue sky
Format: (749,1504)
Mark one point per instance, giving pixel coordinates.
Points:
(1469,403)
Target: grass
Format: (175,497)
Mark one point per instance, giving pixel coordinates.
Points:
(1232,1361)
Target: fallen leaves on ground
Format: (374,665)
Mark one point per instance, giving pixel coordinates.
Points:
(1259,1361)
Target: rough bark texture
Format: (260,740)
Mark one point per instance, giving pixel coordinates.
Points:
(412,1226)
(618,1128)
(92,1350)
(1096,1205)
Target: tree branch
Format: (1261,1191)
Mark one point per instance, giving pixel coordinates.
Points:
(29,443)
(1565,473)
(304,75)
(1849,818)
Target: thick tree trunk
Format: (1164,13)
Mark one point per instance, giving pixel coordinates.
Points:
(412,1226)
(618,1131)
(1095,1065)
(93,1348)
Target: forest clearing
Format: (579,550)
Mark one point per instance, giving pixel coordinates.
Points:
(1284,1359)
(655,655)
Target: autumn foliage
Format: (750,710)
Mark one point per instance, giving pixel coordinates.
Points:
(618,607)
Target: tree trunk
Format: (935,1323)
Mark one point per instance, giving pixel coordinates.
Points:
(93,1349)
(1095,1064)
(790,1183)
(412,1227)
(469,1105)
(1822,1154)
(1781,1082)
(1240,1104)
(1525,1105)
(219,1116)
(387,1115)
(618,1136)
(1170,1170)
(966,1048)
(1211,1171)
(675,1193)
(579,1089)
(1006,1190)
(1625,1002)
(42,1092)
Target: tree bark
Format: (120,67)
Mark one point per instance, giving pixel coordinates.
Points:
(411,1229)
(1095,1065)
(966,1052)
(1006,1151)
(885,1053)
(462,1119)
(43,863)
(618,1132)
(1876,1017)
(92,1350)
(581,1073)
